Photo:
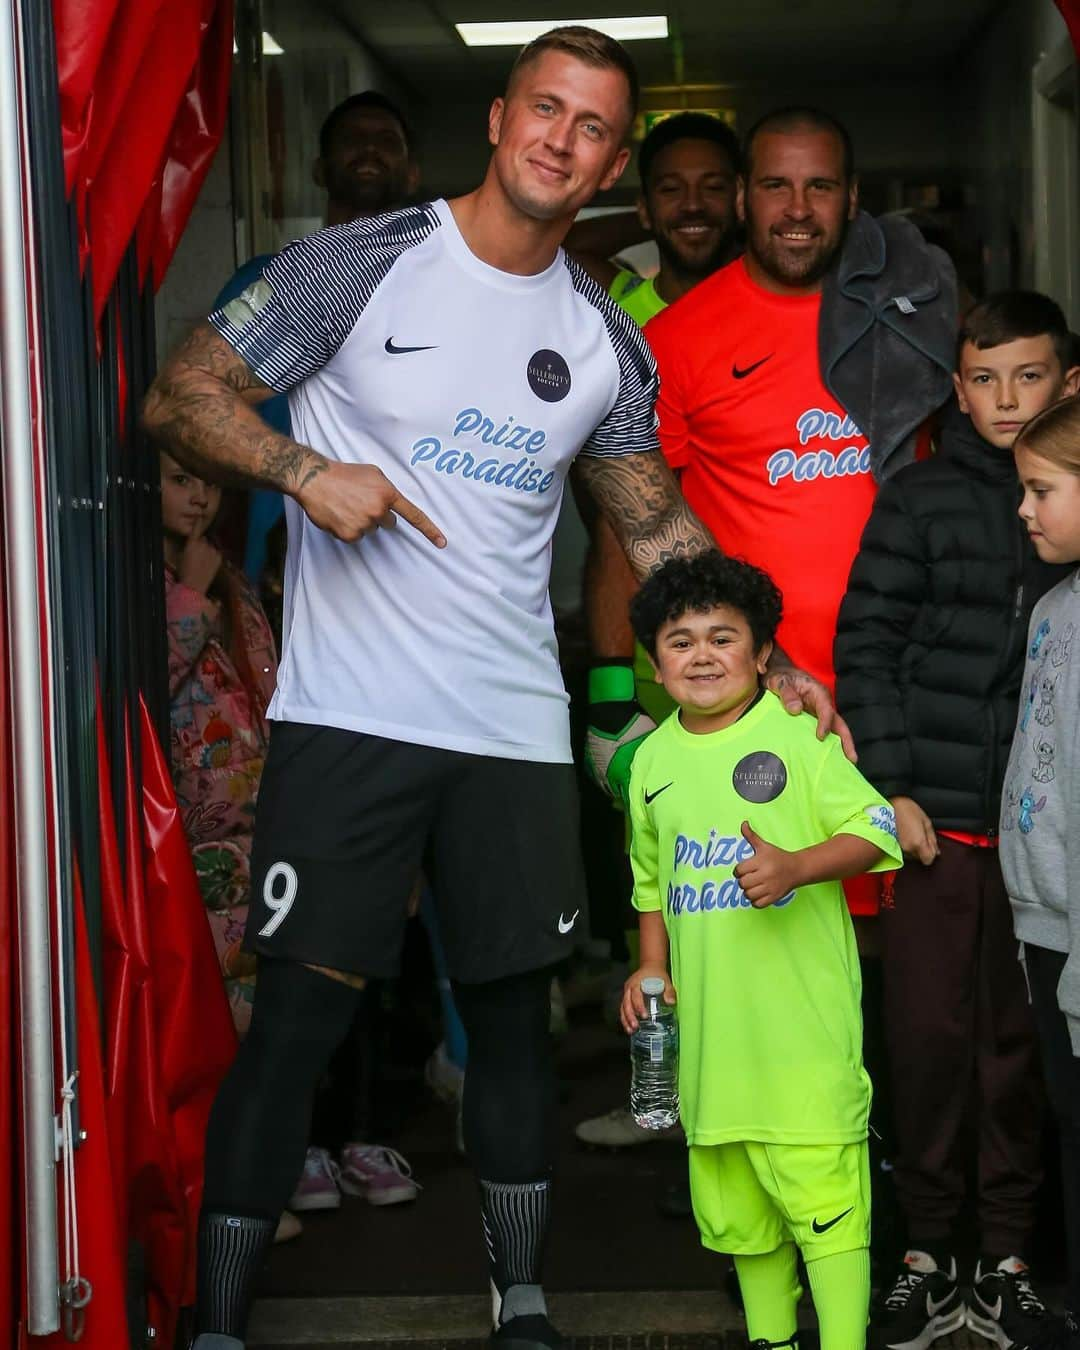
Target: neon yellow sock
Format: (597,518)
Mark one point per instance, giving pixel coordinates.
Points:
(771,1292)
(840,1286)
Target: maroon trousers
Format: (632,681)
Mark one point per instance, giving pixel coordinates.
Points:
(961,1034)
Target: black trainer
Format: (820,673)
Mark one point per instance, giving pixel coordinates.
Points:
(923,1304)
(1004,1307)
(529,1331)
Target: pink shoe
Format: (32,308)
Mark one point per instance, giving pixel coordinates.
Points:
(381,1175)
(318,1184)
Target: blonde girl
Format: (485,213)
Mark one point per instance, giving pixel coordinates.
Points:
(1040,818)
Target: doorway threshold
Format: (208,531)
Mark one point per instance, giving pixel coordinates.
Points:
(637,1320)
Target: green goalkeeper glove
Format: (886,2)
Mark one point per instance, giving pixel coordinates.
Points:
(617,726)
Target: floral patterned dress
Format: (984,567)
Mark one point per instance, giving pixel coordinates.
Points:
(222,668)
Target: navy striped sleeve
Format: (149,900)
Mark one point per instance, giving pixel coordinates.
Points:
(290,321)
(630,426)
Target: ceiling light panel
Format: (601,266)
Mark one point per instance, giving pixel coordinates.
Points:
(516,32)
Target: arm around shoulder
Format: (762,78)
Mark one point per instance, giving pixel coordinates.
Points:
(648,514)
(624,471)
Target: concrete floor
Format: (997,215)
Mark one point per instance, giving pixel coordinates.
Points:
(619,1276)
(622,1321)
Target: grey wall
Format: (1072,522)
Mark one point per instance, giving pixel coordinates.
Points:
(204,258)
(970,129)
(997,134)
(302,86)
(901,130)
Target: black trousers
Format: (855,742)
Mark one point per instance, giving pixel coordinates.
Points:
(960,1032)
(1062,1071)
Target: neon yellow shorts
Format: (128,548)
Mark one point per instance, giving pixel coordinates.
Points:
(751,1197)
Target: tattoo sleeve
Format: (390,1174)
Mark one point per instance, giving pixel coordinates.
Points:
(200,409)
(640,497)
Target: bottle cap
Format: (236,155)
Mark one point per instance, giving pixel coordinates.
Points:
(652,987)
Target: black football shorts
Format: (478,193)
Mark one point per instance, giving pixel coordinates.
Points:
(345,821)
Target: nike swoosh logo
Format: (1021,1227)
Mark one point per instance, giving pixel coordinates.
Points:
(824,1227)
(652,796)
(992,1310)
(565,925)
(400,351)
(749,370)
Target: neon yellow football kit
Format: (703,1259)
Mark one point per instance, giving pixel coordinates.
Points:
(774,1096)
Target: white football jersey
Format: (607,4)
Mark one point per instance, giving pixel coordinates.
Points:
(473,390)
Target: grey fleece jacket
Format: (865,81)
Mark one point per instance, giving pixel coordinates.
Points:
(1040,807)
(887,334)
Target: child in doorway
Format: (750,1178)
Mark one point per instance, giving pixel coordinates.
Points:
(222,668)
(929,657)
(1040,852)
(744,822)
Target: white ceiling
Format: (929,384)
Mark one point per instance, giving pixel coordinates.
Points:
(723,42)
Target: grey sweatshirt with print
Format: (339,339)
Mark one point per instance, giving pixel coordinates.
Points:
(1040,807)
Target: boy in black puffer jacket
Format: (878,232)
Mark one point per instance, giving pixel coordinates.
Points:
(929,656)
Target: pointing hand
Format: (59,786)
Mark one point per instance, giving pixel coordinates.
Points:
(351,500)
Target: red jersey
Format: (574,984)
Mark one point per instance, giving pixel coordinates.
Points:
(769,461)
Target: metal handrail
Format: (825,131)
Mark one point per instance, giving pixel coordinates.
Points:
(21,517)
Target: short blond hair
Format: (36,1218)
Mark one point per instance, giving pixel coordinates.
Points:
(586,44)
(1055,434)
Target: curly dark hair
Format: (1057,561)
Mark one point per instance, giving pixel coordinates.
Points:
(701,583)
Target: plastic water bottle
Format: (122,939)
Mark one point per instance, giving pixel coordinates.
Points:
(654,1062)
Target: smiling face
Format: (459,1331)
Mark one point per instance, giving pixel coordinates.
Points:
(689,206)
(1001,388)
(796,202)
(1050,508)
(558,134)
(367,168)
(709,664)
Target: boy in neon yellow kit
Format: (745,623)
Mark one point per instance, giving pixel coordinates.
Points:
(743,825)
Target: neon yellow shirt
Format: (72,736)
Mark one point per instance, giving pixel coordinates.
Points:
(637,295)
(769,999)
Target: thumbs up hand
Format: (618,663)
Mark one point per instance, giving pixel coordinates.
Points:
(770,875)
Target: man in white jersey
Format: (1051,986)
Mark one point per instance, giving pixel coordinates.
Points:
(444,363)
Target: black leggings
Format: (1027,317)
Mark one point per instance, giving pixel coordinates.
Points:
(508,1112)
(1062,1070)
(260,1122)
(259,1126)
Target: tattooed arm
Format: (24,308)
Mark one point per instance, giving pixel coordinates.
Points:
(641,499)
(201,409)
